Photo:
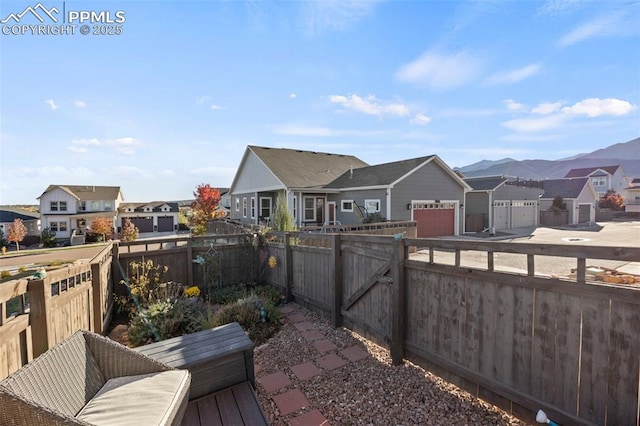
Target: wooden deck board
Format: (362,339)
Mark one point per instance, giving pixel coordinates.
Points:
(237,405)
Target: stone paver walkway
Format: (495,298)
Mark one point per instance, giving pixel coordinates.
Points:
(281,387)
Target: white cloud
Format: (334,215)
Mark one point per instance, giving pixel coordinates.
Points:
(515,76)
(80,104)
(293,95)
(547,108)
(319,16)
(532,125)
(369,105)
(555,7)
(79,146)
(513,105)
(125,146)
(604,26)
(421,119)
(301,130)
(52,104)
(202,99)
(215,107)
(595,107)
(441,72)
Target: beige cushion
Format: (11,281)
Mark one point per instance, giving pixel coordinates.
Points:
(146,399)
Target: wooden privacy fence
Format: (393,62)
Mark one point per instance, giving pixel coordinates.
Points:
(521,341)
(37,314)
(234,254)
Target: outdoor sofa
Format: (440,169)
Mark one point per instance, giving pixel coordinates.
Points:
(90,379)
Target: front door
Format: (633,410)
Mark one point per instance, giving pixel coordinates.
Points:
(331,213)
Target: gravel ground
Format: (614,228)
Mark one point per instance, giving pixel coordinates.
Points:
(370,391)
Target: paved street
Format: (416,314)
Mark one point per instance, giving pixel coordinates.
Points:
(14,260)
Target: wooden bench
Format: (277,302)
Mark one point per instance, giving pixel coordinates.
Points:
(222,376)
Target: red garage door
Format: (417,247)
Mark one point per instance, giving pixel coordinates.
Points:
(435,219)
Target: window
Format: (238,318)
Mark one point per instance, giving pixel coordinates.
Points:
(253,207)
(62,226)
(63,206)
(295,208)
(95,206)
(599,181)
(346,205)
(54,206)
(309,213)
(107,206)
(54,226)
(265,207)
(372,206)
(244,207)
(82,206)
(237,204)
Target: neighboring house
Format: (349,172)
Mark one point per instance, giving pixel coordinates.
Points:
(30,220)
(264,173)
(150,218)
(423,189)
(632,203)
(69,210)
(579,195)
(497,202)
(603,179)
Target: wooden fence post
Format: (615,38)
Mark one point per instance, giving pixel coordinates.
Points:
(288,267)
(38,301)
(336,273)
(398,302)
(190,264)
(96,300)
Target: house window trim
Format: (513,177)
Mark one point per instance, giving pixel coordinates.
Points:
(371,200)
(237,204)
(304,208)
(253,207)
(342,207)
(62,206)
(53,206)
(270,207)
(244,207)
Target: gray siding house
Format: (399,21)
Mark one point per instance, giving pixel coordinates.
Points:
(497,202)
(299,175)
(579,195)
(604,178)
(423,189)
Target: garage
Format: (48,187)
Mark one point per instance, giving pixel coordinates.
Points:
(523,213)
(144,224)
(434,219)
(165,223)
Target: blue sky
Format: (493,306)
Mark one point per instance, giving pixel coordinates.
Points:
(174,100)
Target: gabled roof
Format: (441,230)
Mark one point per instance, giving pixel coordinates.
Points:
(155,206)
(87,192)
(9,215)
(304,169)
(565,188)
(588,171)
(388,174)
(488,183)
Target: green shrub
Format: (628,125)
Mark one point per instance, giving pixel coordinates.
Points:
(48,237)
(5,274)
(165,319)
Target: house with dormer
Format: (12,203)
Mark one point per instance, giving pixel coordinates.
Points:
(69,210)
(603,179)
(149,218)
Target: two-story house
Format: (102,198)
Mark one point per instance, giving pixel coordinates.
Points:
(603,179)
(69,210)
(153,217)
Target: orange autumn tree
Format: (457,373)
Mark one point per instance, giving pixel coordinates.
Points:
(204,207)
(16,233)
(102,226)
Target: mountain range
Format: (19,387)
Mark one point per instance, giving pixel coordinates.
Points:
(626,154)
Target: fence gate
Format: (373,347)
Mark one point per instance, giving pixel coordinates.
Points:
(367,286)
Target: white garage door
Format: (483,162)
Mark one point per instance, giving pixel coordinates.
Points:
(523,213)
(501,215)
